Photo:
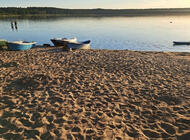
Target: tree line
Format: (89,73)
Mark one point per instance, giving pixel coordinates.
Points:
(90,12)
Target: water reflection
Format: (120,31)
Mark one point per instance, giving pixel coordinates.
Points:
(14,25)
(133,33)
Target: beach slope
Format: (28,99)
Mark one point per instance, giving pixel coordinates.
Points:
(46,93)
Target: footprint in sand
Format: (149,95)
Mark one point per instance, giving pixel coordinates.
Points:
(132,132)
(168,128)
(185,136)
(69,137)
(31,134)
(170,100)
(25,83)
(78,136)
(28,83)
(151,134)
(3,130)
(47,136)
(76,129)
(26,122)
(35,116)
(12,136)
(7,65)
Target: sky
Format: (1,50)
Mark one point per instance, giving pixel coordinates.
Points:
(107,4)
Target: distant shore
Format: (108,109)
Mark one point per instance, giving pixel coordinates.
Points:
(47,93)
(48,11)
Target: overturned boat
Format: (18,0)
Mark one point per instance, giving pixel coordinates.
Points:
(20,45)
(62,41)
(79,45)
(181,43)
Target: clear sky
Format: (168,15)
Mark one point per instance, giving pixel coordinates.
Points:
(114,4)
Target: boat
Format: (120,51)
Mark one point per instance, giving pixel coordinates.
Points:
(20,45)
(79,45)
(181,43)
(62,41)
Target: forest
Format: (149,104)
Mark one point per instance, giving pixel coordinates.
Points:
(35,11)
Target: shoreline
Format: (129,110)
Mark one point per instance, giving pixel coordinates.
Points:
(52,11)
(94,15)
(94,49)
(94,94)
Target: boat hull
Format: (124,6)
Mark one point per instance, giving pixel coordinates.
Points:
(58,42)
(19,46)
(181,43)
(83,45)
(62,41)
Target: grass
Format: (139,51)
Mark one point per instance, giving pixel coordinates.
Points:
(2,43)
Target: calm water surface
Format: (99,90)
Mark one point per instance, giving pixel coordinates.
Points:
(133,33)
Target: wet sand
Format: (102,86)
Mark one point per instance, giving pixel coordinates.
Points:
(46,93)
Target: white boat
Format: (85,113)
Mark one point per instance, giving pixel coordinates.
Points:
(62,41)
(79,45)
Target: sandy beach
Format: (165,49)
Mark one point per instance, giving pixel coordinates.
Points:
(47,93)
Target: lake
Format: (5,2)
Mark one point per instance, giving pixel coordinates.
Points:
(118,33)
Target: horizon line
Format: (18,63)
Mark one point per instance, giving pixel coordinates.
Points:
(98,8)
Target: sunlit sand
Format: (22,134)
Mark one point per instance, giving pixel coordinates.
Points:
(46,93)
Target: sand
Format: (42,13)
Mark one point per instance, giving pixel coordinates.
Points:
(46,93)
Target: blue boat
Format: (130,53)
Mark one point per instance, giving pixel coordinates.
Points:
(20,45)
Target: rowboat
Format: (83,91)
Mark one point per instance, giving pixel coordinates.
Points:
(181,43)
(62,41)
(79,45)
(20,45)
